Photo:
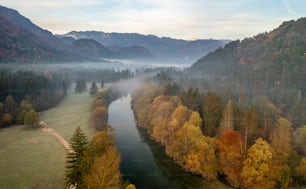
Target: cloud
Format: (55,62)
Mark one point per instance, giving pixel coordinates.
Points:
(174,18)
(288,7)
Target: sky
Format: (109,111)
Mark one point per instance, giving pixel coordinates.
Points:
(182,19)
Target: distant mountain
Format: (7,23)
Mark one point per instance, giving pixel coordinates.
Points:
(130,52)
(90,47)
(23,41)
(163,48)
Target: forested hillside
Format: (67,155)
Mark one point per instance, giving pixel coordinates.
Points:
(270,65)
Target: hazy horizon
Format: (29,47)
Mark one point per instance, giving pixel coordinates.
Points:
(174,18)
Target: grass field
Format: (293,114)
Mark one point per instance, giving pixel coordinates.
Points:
(30,158)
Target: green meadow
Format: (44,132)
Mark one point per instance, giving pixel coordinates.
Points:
(30,158)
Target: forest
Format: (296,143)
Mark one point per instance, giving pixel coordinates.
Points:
(37,89)
(217,137)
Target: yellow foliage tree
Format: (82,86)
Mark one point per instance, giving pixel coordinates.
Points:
(257,167)
(105,172)
(194,152)
(202,159)
(195,119)
(162,108)
(301,169)
(282,148)
(178,118)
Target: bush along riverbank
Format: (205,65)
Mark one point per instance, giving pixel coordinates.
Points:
(95,163)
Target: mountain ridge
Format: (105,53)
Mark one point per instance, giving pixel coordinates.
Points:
(163,47)
(23,41)
(285,43)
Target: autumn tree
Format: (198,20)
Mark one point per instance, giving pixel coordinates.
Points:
(230,156)
(130,186)
(7,119)
(25,106)
(178,118)
(10,106)
(31,118)
(227,121)
(194,152)
(100,117)
(249,127)
(1,108)
(105,172)
(257,169)
(212,113)
(301,169)
(184,139)
(75,159)
(281,138)
(202,158)
(162,108)
(282,148)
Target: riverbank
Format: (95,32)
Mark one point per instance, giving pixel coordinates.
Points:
(144,162)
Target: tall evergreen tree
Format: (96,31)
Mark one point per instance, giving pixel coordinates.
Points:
(93,88)
(74,167)
(212,113)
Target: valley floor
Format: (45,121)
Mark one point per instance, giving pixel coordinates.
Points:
(30,158)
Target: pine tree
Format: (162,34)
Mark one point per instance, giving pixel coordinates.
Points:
(74,167)
(78,86)
(93,88)
(212,113)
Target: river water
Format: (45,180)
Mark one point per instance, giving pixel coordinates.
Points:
(143,162)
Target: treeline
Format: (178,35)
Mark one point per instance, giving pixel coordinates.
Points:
(38,88)
(213,137)
(96,164)
(25,92)
(89,72)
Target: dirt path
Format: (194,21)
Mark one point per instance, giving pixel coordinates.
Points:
(47,129)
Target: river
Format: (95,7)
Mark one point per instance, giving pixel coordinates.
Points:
(143,162)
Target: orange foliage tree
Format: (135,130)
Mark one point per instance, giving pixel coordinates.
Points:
(230,156)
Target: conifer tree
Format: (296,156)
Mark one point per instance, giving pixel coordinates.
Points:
(74,167)
(93,88)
